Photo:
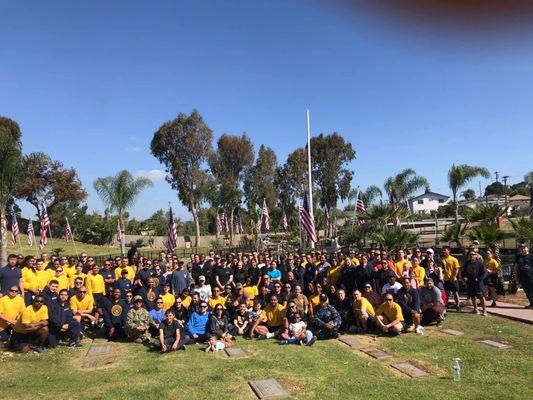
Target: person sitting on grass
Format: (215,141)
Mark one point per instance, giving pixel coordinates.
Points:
(62,324)
(298,332)
(431,303)
(327,319)
(158,314)
(138,322)
(241,320)
(169,334)
(363,312)
(219,324)
(214,345)
(114,313)
(409,301)
(389,317)
(82,306)
(270,322)
(198,324)
(31,326)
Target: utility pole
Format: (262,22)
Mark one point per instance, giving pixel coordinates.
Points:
(497,175)
(505,190)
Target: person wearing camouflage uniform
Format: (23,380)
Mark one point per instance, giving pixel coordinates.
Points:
(138,321)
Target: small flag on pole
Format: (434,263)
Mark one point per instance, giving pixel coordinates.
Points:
(45,224)
(68,231)
(14,230)
(238,223)
(285,222)
(307,220)
(31,233)
(531,202)
(172,233)
(264,212)
(360,207)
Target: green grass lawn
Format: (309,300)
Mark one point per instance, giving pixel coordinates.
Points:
(329,370)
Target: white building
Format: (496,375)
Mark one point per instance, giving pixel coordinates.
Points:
(427,202)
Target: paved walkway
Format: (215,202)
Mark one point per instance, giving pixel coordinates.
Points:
(511,311)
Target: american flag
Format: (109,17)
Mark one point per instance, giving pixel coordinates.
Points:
(218,223)
(224,222)
(238,223)
(307,220)
(45,224)
(14,229)
(68,231)
(360,207)
(259,223)
(31,234)
(285,222)
(531,203)
(172,234)
(264,212)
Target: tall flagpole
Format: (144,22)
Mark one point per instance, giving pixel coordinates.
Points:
(309,171)
(355,207)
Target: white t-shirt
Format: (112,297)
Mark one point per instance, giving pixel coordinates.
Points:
(296,327)
(204,292)
(388,288)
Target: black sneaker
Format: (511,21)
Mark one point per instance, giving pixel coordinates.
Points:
(493,304)
(41,350)
(261,337)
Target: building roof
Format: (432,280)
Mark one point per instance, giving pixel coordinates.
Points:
(519,197)
(429,194)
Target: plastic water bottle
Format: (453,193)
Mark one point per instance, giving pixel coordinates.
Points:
(456,369)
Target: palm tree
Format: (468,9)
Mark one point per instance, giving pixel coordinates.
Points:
(460,175)
(119,193)
(487,233)
(454,233)
(486,213)
(402,186)
(523,228)
(391,238)
(10,162)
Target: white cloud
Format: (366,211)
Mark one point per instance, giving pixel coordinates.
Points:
(155,175)
(133,149)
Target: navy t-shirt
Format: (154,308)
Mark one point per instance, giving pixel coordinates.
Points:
(9,276)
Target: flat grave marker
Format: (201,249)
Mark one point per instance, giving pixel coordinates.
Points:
(350,341)
(235,352)
(495,345)
(268,389)
(99,349)
(453,332)
(410,370)
(377,353)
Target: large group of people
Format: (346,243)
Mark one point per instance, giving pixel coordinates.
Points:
(217,298)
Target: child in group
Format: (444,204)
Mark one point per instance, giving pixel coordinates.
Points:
(242,320)
(299,333)
(214,345)
(255,312)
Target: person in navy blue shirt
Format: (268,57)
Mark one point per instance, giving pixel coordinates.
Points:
(473,273)
(409,300)
(123,283)
(62,324)
(10,275)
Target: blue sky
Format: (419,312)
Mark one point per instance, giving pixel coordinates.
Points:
(90,82)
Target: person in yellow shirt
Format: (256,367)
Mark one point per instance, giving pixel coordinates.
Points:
(334,272)
(251,290)
(493,267)
(400,262)
(96,286)
(271,320)
(451,275)
(11,308)
(61,278)
(419,273)
(125,265)
(82,307)
(29,277)
(363,312)
(216,298)
(70,269)
(32,325)
(389,317)
(46,260)
(168,298)
(77,274)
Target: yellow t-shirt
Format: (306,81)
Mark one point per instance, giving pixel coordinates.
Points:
(419,274)
(251,291)
(29,276)
(129,268)
(213,302)
(364,305)
(274,316)
(391,312)
(85,304)
(491,265)
(398,266)
(69,271)
(95,284)
(168,300)
(314,300)
(30,316)
(62,280)
(356,262)
(451,266)
(10,308)
(334,274)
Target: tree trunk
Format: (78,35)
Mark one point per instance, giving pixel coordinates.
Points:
(456,205)
(194,213)
(123,227)
(3,235)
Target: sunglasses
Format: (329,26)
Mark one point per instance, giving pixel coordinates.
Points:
(159,302)
(138,301)
(59,270)
(14,291)
(82,292)
(388,299)
(203,306)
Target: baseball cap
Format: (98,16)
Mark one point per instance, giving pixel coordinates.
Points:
(238,286)
(430,250)
(323,297)
(136,298)
(201,278)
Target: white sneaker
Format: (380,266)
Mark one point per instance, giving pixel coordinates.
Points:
(419,329)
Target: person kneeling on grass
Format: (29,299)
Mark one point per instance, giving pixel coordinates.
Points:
(198,324)
(389,317)
(363,312)
(270,322)
(431,303)
(31,326)
(62,323)
(138,322)
(169,334)
(327,319)
(298,332)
